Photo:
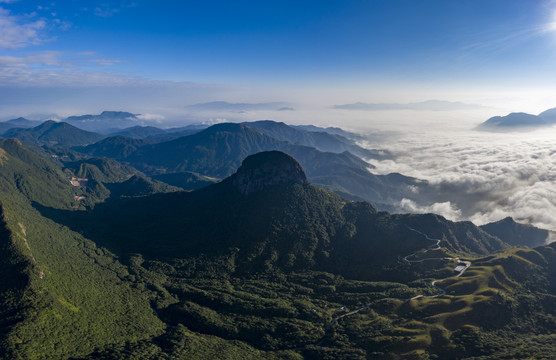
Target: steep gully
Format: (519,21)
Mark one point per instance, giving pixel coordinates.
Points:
(462,266)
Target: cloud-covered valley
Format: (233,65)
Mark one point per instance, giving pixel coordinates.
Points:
(479,177)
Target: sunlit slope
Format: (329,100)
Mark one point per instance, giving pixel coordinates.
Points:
(498,297)
(54,133)
(260,265)
(70,296)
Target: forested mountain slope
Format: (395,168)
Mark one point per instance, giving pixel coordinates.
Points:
(260,265)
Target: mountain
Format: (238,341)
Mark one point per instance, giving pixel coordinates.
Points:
(549,115)
(17,123)
(320,140)
(54,133)
(54,281)
(520,120)
(34,177)
(101,169)
(97,179)
(216,151)
(139,132)
(116,147)
(219,149)
(260,265)
(105,122)
(329,130)
(275,267)
(21,122)
(517,234)
(257,208)
(174,133)
(267,169)
(4,126)
(513,120)
(138,185)
(461,237)
(185,180)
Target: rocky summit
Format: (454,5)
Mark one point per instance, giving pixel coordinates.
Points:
(267,169)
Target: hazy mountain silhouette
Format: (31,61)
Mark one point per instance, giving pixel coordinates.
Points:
(519,120)
(54,133)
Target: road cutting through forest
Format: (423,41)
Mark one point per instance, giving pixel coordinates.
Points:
(462,266)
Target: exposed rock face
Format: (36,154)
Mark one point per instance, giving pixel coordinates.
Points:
(267,169)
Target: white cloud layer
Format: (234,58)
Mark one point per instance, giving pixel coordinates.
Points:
(151,117)
(480,177)
(16,33)
(445,209)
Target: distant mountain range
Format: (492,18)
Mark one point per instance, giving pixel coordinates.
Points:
(519,120)
(139,132)
(17,123)
(54,133)
(330,155)
(330,140)
(430,105)
(216,151)
(517,234)
(105,123)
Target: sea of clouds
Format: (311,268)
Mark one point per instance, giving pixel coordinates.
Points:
(478,176)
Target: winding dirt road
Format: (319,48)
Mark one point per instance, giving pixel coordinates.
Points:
(464,266)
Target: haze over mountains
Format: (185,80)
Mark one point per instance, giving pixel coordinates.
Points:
(54,133)
(260,259)
(238,107)
(105,123)
(404,180)
(431,105)
(218,150)
(519,120)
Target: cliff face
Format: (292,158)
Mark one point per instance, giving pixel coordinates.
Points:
(267,169)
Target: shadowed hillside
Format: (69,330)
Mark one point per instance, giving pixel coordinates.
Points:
(260,265)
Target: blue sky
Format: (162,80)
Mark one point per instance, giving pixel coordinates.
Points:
(64,57)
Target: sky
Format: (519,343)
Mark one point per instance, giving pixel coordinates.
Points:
(72,57)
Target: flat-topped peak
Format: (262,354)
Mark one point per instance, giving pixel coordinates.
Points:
(265,169)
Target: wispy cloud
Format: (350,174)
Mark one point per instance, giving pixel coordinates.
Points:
(430,105)
(64,25)
(157,118)
(54,68)
(106,10)
(17,32)
(497,42)
(104,62)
